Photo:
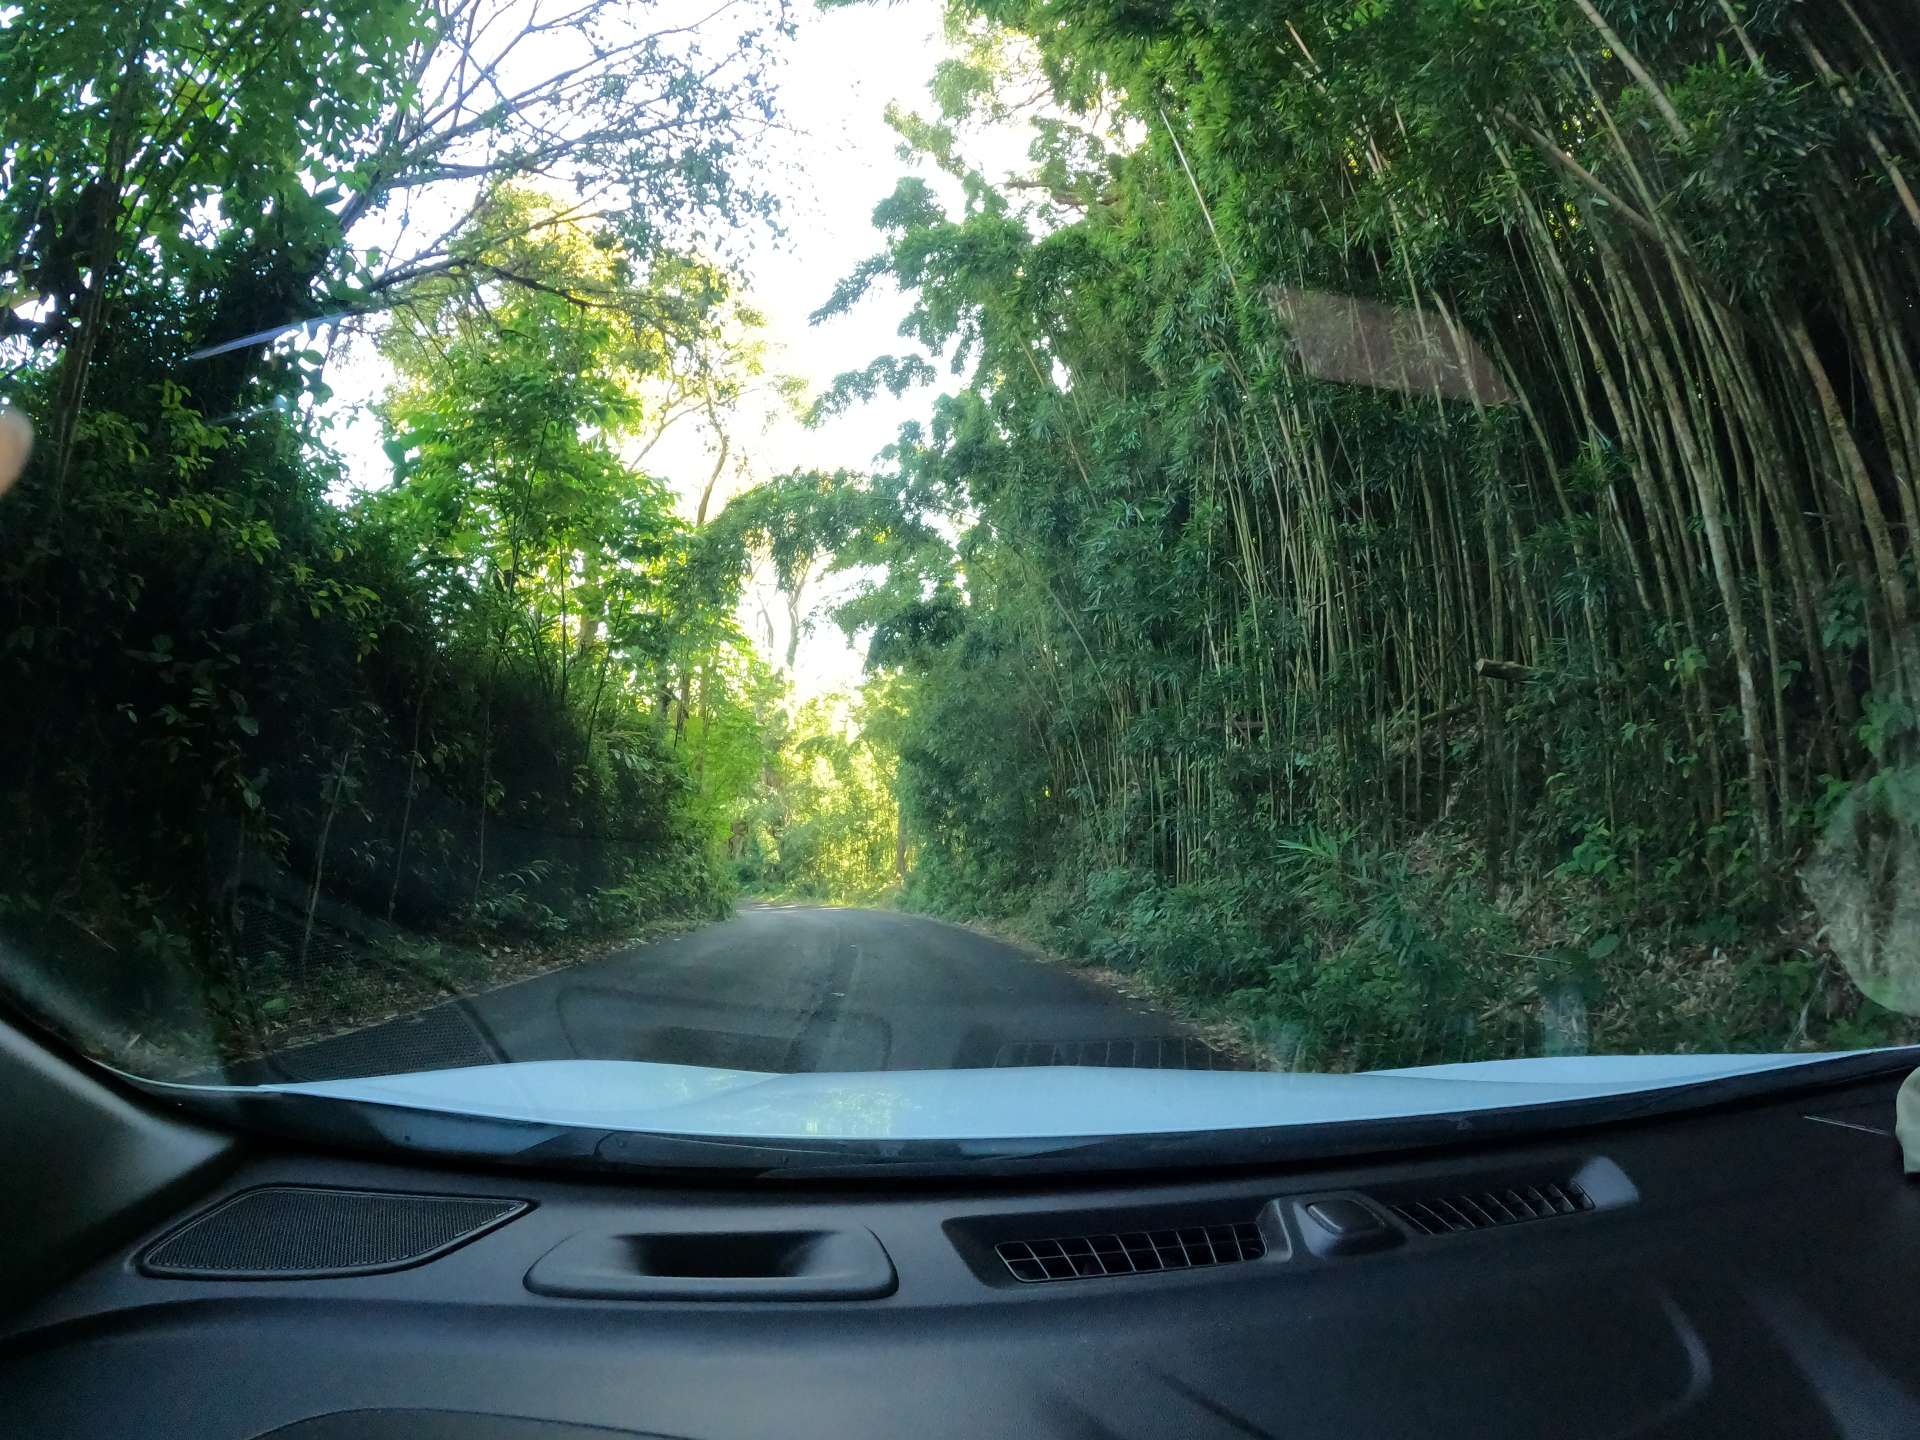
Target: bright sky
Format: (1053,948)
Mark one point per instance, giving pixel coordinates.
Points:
(846,66)
(843,68)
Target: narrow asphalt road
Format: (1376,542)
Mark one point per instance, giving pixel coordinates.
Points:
(784,988)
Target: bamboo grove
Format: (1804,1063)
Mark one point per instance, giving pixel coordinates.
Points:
(1413,545)
(1635,610)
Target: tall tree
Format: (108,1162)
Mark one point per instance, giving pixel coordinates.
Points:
(281,163)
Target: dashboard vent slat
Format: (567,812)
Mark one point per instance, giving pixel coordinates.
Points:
(1501,1205)
(1131,1252)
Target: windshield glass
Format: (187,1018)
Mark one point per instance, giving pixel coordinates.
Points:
(1255,536)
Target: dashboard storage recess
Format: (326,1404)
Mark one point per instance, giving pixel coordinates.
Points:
(716,1265)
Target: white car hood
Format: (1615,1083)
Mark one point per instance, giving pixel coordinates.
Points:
(1009,1104)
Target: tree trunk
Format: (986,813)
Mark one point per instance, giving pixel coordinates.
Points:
(320,853)
(406,808)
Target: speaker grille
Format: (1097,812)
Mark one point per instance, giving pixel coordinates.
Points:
(293,1232)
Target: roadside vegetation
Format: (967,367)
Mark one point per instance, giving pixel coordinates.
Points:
(274,719)
(1531,700)
(1555,688)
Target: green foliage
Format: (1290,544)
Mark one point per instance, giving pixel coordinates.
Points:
(502,695)
(828,827)
(1172,598)
(1477,699)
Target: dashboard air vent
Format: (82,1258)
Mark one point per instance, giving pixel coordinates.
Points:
(1502,1205)
(1133,1252)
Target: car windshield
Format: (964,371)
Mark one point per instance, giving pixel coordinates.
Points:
(752,539)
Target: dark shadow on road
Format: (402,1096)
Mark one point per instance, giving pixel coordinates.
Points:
(787,989)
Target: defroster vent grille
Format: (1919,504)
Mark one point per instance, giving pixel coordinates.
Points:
(1132,1252)
(1502,1205)
(293,1232)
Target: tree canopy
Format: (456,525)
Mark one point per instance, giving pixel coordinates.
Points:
(1418,473)
(1407,538)
(500,691)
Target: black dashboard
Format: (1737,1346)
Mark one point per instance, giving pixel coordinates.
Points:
(1752,1270)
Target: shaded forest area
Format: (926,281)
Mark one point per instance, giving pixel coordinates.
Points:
(1547,684)
(290,744)
(1561,696)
